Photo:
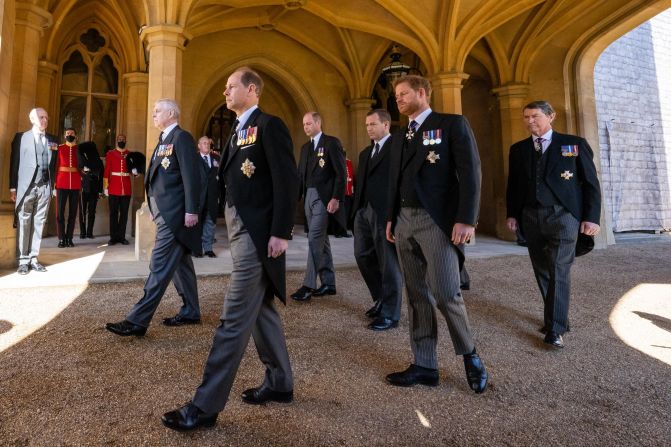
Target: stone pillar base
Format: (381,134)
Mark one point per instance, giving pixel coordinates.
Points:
(7,241)
(145,233)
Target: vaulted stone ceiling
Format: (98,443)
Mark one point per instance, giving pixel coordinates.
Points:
(353,36)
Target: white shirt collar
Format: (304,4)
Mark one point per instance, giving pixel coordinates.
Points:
(422,117)
(37,132)
(316,138)
(167,131)
(242,119)
(383,140)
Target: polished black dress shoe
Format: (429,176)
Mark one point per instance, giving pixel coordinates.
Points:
(23,269)
(34,265)
(90,236)
(179,320)
(69,242)
(111,242)
(476,374)
(62,243)
(302,294)
(554,339)
(324,289)
(382,324)
(210,254)
(189,417)
(374,311)
(124,242)
(126,328)
(82,235)
(258,396)
(414,375)
(197,254)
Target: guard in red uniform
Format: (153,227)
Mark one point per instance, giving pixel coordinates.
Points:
(68,185)
(117,184)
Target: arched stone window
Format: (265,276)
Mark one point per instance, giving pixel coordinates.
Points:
(90,91)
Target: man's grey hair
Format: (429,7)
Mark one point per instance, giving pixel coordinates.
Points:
(170,104)
(33,113)
(543,106)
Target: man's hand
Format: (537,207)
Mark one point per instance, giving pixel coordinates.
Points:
(462,233)
(589,228)
(53,192)
(190,220)
(511,223)
(106,192)
(12,195)
(134,172)
(390,236)
(277,246)
(332,206)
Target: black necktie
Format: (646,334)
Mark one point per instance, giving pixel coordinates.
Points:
(234,128)
(376,150)
(207,163)
(314,146)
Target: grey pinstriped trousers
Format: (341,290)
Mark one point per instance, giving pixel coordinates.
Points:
(430,266)
(551,233)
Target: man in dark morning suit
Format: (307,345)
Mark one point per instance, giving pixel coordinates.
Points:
(173,183)
(434,199)
(31,178)
(260,185)
(323,177)
(375,255)
(211,211)
(554,192)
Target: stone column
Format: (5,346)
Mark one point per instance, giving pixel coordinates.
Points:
(446,96)
(512,98)
(165,46)
(359,139)
(46,94)
(22,27)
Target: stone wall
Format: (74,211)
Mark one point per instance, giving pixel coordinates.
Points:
(632,84)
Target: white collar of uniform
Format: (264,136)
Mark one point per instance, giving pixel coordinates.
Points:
(419,119)
(383,140)
(316,138)
(242,119)
(167,130)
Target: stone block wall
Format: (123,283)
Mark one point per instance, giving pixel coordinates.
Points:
(633,93)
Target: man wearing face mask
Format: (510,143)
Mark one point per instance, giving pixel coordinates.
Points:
(68,185)
(117,186)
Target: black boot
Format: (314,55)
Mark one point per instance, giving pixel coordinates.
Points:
(62,244)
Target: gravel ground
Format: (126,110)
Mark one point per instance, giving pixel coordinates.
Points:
(73,383)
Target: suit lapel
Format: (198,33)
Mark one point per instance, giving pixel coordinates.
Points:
(431,122)
(375,161)
(251,122)
(154,159)
(553,153)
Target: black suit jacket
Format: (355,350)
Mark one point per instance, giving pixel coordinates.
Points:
(580,194)
(177,184)
(212,188)
(329,179)
(373,177)
(449,189)
(265,193)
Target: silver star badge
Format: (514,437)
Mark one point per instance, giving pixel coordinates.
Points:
(248,168)
(433,157)
(566,175)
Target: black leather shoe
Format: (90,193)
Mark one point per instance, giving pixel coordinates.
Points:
(258,396)
(554,339)
(179,320)
(90,236)
(126,328)
(62,243)
(189,417)
(414,375)
(197,254)
(111,242)
(476,374)
(374,311)
(124,242)
(82,235)
(34,265)
(210,254)
(382,324)
(302,294)
(324,289)
(69,242)
(23,269)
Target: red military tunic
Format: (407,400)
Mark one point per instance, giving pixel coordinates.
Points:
(117,177)
(67,169)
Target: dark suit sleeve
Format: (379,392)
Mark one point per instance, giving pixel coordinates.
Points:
(280,155)
(467,164)
(15,160)
(337,156)
(591,190)
(514,191)
(302,162)
(190,169)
